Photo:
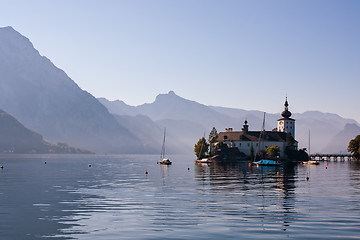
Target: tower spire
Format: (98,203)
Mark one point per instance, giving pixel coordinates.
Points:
(286,113)
(245,128)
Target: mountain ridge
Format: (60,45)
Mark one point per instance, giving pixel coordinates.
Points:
(322,125)
(44,98)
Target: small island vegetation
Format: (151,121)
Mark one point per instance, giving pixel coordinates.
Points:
(201,148)
(354,147)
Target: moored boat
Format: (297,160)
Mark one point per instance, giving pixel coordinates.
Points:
(204,160)
(312,162)
(265,162)
(163,160)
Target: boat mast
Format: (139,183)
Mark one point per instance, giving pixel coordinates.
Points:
(309,146)
(162,156)
(261,132)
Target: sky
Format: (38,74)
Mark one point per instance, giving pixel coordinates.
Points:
(239,54)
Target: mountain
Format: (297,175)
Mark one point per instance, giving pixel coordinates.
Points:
(172,106)
(341,141)
(16,138)
(179,133)
(119,107)
(150,134)
(185,120)
(45,99)
(188,120)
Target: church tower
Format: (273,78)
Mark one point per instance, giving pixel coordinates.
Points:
(286,124)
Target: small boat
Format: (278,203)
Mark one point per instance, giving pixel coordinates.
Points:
(163,160)
(204,160)
(312,162)
(265,162)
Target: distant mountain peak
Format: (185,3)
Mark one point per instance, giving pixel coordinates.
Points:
(15,46)
(7,28)
(11,32)
(171,95)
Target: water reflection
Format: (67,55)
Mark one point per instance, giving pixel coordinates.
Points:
(115,199)
(264,193)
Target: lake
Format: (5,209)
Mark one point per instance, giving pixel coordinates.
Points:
(111,197)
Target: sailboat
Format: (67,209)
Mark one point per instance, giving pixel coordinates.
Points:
(313,162)
(163,160)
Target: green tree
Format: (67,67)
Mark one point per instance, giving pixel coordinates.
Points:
(273,151)
(354,147)
(201,148)
(297,155)
(213,136)
(262,153)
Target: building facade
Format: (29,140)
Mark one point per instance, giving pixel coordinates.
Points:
(286,124)
(252,142)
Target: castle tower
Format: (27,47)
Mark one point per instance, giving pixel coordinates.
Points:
(286,124)
(245,128)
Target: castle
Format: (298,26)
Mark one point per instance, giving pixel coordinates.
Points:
(251,142)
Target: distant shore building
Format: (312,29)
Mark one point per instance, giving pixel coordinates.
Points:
(250,142)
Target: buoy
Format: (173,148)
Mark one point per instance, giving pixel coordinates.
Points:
(89,165)
(307,178)
(327,164)
(45,162)
(325,167)
(188,168)
(146,172)
(249,164)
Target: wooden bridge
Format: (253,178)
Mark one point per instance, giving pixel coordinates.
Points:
(331,157)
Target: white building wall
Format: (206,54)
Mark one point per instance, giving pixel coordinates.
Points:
(245,146)
(287,126)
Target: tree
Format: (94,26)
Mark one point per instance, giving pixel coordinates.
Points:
(273,151)
(354,147)
(213,136)
(297,155)
(201,148)
(262,153)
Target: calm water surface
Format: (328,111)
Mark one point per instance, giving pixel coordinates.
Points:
(115,199)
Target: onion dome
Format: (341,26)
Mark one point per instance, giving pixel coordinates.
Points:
(286,113)
(245,128)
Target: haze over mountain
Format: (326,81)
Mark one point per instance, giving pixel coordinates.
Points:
(188,120)
(341,141)
(16,138)
(46,100)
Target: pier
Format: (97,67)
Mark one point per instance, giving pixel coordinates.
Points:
(331,157)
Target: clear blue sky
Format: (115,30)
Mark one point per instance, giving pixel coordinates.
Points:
(242,54)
